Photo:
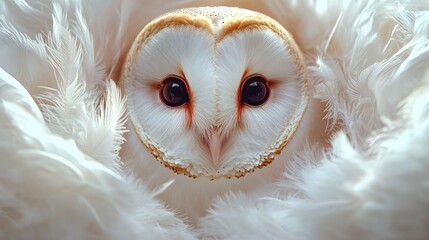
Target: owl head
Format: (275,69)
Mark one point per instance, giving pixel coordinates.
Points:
(214,92)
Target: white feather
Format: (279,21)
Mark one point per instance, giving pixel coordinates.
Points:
(52,190)
(87,196)
(372,183)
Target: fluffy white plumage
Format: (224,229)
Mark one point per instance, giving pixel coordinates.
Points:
(62,121)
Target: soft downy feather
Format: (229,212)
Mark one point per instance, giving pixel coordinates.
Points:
(63,177)
(52,190)
(372,182)
(381,193)
(368,59)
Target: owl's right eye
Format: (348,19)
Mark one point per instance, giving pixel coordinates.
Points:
(174,92)
(255,91)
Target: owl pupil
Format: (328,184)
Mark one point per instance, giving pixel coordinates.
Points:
(174,92)
(254,91)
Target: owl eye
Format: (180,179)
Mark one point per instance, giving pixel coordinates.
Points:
(174,92)
(254,91)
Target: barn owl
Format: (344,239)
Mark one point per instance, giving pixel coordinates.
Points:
(217,100)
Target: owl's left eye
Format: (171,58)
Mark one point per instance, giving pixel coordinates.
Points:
(174,92)
(255,91)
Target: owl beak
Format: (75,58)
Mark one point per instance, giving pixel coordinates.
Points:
(215,144)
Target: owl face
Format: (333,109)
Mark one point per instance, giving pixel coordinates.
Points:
(214,92)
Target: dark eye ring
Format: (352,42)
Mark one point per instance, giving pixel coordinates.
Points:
(255,90)
(174,92)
